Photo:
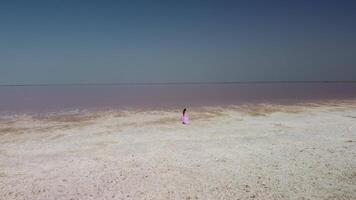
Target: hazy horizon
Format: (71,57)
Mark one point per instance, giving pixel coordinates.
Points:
(178,83)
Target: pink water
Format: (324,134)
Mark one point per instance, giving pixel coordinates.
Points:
(23,99)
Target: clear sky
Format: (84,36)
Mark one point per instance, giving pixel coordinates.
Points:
(72,41)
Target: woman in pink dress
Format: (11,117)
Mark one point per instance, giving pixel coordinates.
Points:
(185,118)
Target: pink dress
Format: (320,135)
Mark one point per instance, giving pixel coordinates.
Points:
(185,119)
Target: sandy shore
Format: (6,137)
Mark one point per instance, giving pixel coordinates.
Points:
(248,152)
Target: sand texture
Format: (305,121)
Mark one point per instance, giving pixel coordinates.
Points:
(305,151)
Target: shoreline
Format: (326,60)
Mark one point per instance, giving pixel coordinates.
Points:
(108,109)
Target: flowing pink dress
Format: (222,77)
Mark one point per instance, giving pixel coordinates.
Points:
(185,119)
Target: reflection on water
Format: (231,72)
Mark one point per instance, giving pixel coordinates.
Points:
(58,98)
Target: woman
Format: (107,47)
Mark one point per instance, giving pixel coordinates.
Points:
(185,118)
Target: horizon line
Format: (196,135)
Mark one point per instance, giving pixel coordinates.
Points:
(168,83)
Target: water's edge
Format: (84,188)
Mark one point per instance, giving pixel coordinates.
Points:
(87,98)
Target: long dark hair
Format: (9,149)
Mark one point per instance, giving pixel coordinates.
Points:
(184,111)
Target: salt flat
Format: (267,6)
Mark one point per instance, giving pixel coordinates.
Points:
(304,151)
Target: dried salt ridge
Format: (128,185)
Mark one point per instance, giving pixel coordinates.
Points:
(305,151)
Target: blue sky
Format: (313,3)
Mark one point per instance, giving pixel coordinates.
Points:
(51,42)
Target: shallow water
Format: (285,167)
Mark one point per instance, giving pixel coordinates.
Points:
(39,99)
